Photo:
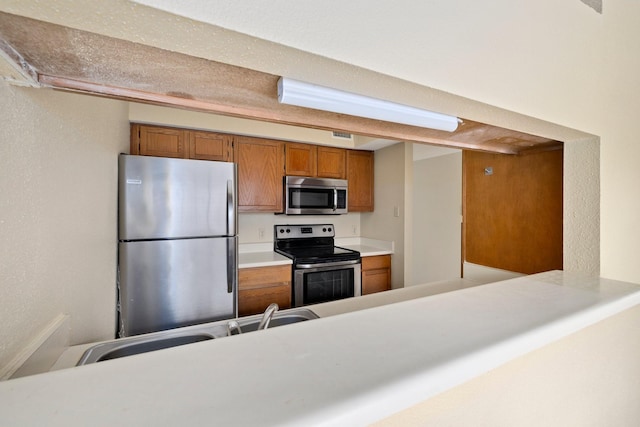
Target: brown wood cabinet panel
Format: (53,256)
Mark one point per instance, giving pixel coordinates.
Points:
(360,176)
(158,141)
(332,162)
(376,274)
(258,287)
(163,141)
(260,171)
(376,262)
(210,146)
(513,215)
(300,159)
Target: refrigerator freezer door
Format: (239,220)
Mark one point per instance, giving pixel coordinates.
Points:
(171,283)
(162,198)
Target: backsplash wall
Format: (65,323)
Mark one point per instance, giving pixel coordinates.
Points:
(258,227)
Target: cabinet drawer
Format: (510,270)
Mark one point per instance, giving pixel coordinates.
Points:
(256,300)
(375,281)
(259,277)
(260,286)
(374,262)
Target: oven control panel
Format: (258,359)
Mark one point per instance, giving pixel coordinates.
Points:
(299,231)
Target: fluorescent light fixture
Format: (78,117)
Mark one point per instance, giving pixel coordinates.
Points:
(301,94)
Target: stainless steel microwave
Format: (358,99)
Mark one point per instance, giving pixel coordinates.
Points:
(314,196)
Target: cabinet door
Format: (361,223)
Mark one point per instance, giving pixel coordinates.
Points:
(260,172)
(210,146)
(261,286)
(300,159)
(332,162)
(159,141)
(376,274)
(360,176)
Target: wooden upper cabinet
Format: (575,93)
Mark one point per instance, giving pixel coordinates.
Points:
(260,171)
(300,159)
(315,161)
(360,177)
(332,162)
(210,146)
(158,141)
(162,141)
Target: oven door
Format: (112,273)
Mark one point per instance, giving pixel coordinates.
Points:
(316,283)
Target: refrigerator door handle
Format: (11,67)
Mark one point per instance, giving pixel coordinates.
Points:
(231,264)
(231,213)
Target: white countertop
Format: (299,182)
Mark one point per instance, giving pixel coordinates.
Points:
(262,259)
(348,369)
(366,247)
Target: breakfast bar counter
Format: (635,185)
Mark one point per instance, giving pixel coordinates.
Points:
(345,369)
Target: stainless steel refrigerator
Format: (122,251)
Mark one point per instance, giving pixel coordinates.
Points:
(177,259)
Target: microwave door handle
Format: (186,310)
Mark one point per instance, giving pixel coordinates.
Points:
(335,199)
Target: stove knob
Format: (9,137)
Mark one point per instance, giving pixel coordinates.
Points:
(288,230)
(282,230)
(324,229)
(329,229)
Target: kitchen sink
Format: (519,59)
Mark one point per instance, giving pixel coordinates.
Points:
(252,325)
(139,344)
(145,343)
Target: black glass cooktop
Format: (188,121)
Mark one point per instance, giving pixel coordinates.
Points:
(319,254)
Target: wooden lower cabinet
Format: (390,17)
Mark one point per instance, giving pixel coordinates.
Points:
(376,274)
(260,286)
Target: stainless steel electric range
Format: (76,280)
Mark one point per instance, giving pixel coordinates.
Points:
(321,271)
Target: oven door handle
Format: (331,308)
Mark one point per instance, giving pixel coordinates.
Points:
(327,264)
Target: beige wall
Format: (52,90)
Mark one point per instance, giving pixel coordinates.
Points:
(250,225)
(390,181)
(619,149)
(437,215)
(590,378)
(58,194)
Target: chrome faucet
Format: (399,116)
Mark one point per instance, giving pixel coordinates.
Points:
(268,314)
(233,325)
